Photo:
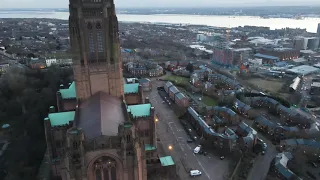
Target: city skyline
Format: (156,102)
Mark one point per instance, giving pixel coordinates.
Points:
(164,3)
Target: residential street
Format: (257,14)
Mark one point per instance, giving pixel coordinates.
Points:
(261,164)
(171,133)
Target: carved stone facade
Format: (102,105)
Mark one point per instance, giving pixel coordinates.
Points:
(93,137)
(94,40)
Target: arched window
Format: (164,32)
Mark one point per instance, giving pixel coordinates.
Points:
(75,145)
(89,26)
(98,26)
(99,38)
(106,174)
(90,41)
(98,174)
(105,168)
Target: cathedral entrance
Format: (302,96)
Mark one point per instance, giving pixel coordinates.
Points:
(105,168)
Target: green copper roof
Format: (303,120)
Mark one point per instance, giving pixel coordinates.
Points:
(139,110)
(131,88)
(61,118)
(166,161)
(69,93)
(149,147)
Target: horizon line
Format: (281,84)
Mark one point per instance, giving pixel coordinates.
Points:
(199,7)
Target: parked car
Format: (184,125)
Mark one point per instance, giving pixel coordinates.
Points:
(189,141)
(313,164)
(195,173)
(197,149)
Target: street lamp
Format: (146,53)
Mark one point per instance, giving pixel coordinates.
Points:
(170,147)
(156,120)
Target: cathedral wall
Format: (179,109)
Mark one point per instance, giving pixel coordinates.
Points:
(99,82)
(69,105)
(143,124)
(132,99)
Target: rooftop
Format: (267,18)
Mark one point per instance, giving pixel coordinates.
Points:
(131,88)
(149,147)
(266,57)
(303,69)
(61,118)
(166,161)
(305,142)
(101,114)
(139,110)
(69,93)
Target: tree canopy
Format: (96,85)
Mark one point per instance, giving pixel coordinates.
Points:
(25,97)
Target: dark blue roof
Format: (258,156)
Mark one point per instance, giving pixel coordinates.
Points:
(205,126)
(242,105)
(281,64)
(266,57)
(174,89)
(265,121)
(179,95)
(225,109)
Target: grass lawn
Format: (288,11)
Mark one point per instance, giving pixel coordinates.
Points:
(177,80)
(271,86)
(209,101)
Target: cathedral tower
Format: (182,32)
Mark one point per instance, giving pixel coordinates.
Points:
(94,39)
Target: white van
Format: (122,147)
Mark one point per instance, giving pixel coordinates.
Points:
(197,149)
(195,173)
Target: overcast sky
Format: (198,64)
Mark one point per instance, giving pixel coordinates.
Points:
(159,3)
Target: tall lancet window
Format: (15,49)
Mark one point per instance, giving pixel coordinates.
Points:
(99,37)
(90,41)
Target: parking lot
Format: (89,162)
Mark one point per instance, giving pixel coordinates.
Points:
(172,134)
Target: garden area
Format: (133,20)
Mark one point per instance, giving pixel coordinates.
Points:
(209,101)
(177,80)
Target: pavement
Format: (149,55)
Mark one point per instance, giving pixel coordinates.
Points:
(260,168)
(171,133)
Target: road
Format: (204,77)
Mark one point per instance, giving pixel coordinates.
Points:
(171,133)
(261,164)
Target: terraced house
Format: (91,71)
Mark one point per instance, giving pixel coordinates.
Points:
(227,138)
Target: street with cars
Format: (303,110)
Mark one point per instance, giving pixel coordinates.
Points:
(175,139)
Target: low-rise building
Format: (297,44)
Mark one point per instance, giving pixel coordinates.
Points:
(307,146)
(144,68)
(4,67)
(267,59)
(224,81)
(281,53)
(49,62)
(279,165)
(145,84)
(223,112)
(227,139)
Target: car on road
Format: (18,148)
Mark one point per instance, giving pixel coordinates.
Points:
(195,173)
(222,157)
(189,140)
(197,149)
(313,164)
(264,148)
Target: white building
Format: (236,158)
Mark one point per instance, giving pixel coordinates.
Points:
(49,62)
(201,37)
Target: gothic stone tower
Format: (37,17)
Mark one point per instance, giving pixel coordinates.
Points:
(94,40)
